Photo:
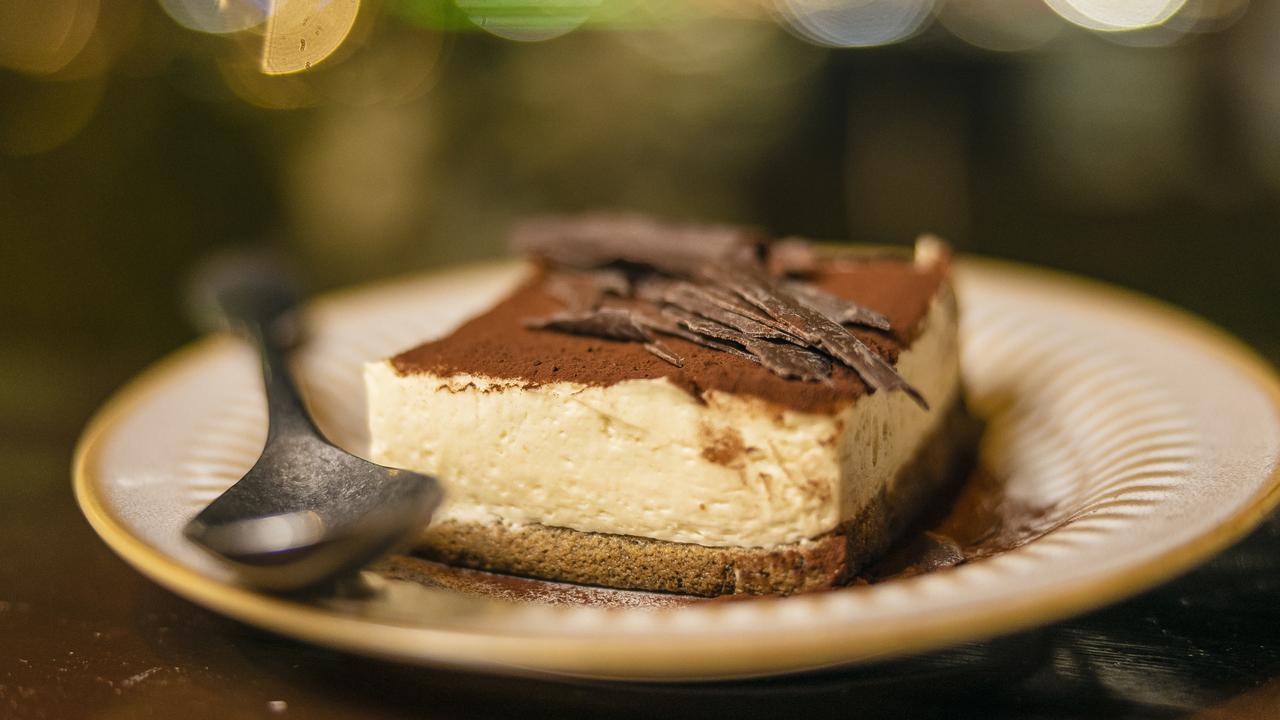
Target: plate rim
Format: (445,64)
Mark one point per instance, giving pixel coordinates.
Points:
(652,658)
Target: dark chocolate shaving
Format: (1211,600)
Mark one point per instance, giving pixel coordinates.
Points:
(791,361)
(814,327)
(597,240)
(665,291)
(695,299)
(666,326)
(703,326)
(792,256)
(785,360)
(581,291)
(608,322)
(665,353)
(712,285)
(734,303)
(613,323)
(837,308)
(653,288)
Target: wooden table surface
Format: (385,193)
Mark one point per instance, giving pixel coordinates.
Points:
(83,635)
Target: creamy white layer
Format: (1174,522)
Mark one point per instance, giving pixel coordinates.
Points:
(644,458)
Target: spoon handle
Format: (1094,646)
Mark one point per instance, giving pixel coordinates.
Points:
(255,296)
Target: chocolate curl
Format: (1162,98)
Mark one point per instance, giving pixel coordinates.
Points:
(837,308)
(733,305)
(659,322)
(664,353)
(613,323)
(697,300)
(584,291)
(785,360)
(814,327)
(791,361)
(592,241)
(792,256)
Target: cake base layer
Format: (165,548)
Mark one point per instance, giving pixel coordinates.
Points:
(623,561)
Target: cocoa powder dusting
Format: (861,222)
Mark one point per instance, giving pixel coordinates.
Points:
(498,345)
(982,520)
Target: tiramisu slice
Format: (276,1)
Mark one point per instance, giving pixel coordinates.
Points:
(684,409)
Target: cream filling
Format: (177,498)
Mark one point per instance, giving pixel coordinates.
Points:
(631,458)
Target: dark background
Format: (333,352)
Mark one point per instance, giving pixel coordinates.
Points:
(1150,159)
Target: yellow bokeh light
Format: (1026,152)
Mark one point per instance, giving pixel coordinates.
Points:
(393,66)
(302,33)
(43,36)
(244,77)
(40,116)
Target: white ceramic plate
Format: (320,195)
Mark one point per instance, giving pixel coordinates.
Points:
(1155,436)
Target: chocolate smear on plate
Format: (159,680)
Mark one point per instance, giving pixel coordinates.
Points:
(624,277)
(982,521)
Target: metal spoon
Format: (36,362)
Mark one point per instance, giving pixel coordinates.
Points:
(308,512)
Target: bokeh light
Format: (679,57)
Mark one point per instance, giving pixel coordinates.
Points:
(42,36)
(395,65)
(40,116)
(527,20)
(1001,25)
(1205,16)
(1154,36)
(742,47)
(1116,15)
(1255,85)
(243,75)
(856,23)
(217,16)
(302,33)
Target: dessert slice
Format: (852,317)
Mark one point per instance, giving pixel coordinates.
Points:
(684,409)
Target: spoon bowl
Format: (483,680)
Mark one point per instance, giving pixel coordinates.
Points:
(308,512)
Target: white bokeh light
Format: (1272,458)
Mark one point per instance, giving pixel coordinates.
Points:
(1001,25)
(1116,15)
(217,16)
(856,23)
(1205,16)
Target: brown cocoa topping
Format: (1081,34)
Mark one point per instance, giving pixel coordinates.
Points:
(496,344)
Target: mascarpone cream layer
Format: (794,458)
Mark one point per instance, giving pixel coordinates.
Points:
(645,458)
